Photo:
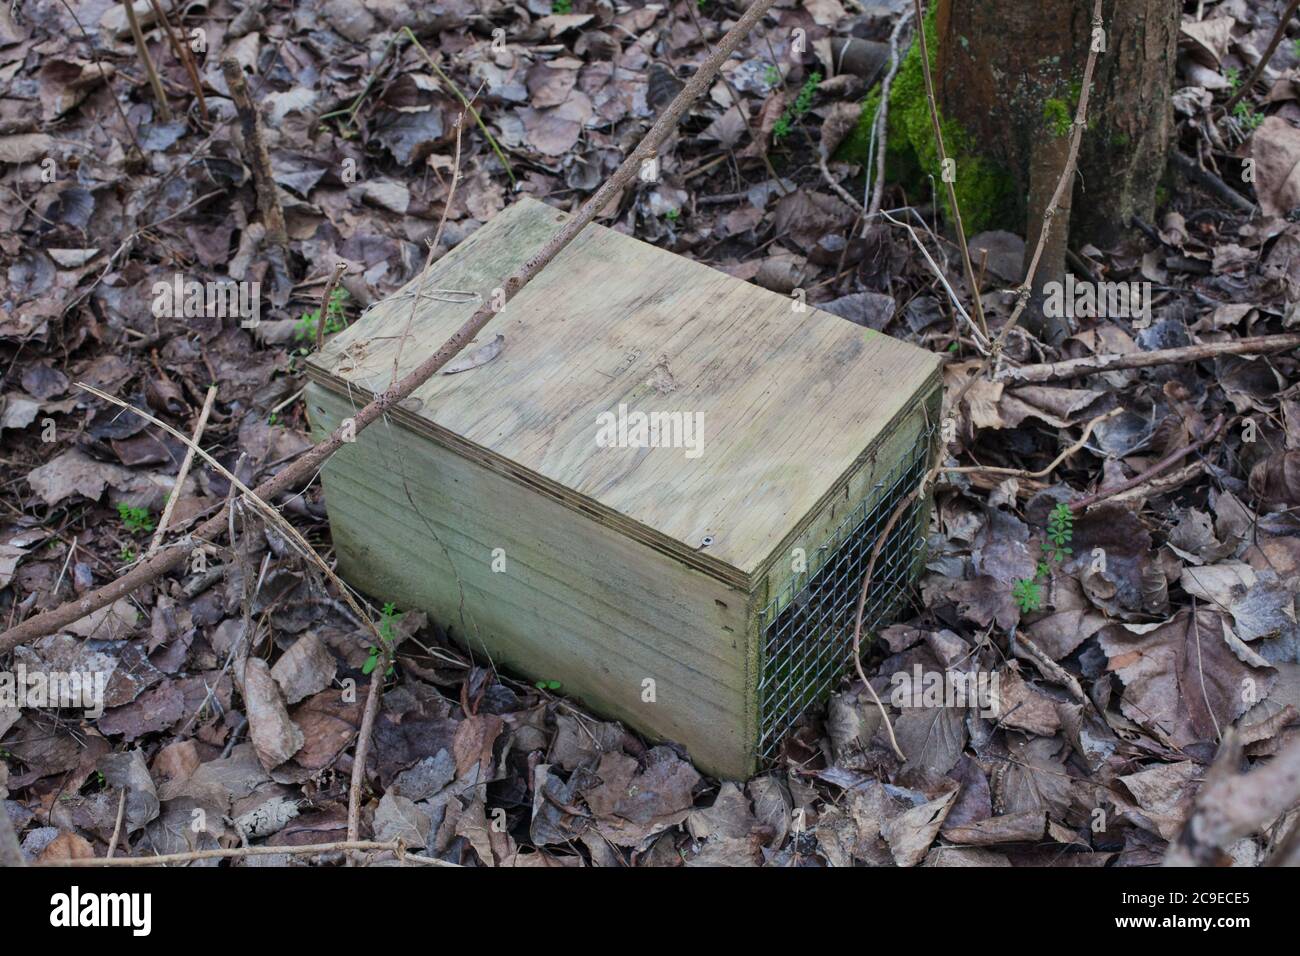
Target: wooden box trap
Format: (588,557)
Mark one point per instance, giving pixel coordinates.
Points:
(662,492)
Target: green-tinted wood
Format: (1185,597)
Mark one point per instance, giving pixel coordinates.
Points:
(570,600)
(789,400)
(619,566)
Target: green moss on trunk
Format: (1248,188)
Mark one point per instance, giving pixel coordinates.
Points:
(987,193)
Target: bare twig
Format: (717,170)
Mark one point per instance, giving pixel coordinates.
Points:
(282,525)
(185,470)
(1041,473)
(835,186)
(1110,362)
(1162,484)
(364,733)
(1048,667)
(943,161)
(1162,465)
(268,201)
(880,134)
(323,314)
(980,339)
(433,249)
(103,75)
(182,53)
(117,827)
(1193,170)
(306,467)
(159,94)
(469,107)
(1246,87)
(351,112)
(232,853)
(885,532)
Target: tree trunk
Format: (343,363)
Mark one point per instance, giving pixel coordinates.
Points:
(1009,71)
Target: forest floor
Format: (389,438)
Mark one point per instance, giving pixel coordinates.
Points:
(1121,681)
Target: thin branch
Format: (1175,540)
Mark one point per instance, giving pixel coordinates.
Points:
(496,148)
(1049,668)
(333,280)
(117,827)
(1202,177)
(1114,361)
(885,532)
(268,201)
(980,339)
(185,470)
(943,161)
(233,853)
(273,515)
(1246,87)
(1044,472)
(183,54)
(1173,458)
(103,75)
(880,134)
(433,249)
(351,111)
(373,696)
(159,94)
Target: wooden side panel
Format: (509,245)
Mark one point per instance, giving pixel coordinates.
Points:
(415,523)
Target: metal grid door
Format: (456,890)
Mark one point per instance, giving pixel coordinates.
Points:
(808,628)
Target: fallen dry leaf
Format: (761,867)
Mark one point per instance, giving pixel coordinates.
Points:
(275,737)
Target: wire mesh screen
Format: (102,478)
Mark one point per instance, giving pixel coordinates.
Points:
(808,628)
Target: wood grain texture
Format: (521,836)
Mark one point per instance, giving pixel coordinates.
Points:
(417,524)
(897,443)
(789,401)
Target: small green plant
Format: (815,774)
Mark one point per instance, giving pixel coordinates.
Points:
(1028,592)
(1028,595)
(772,75)
(797,110)
(126,554)
(672,215)
(561,6)
(1248,116)
(305,327)
(1060,531)
(388,616)
(1233,76)
(135,519)
(548,685)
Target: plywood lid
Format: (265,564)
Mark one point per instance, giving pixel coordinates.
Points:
(787,402)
